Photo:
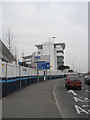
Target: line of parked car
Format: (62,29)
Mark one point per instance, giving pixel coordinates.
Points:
(87,79)
(74,81)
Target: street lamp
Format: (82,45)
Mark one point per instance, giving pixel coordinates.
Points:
(49,55)
(73,62)
(78,67)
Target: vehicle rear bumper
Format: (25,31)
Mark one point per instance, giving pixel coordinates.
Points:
(73,86)
(88,83)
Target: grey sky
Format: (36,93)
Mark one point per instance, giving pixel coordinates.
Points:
(33,23)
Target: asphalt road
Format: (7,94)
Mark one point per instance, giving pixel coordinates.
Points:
(72,103)
(48,100)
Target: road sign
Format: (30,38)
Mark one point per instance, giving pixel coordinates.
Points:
(47,65)
(43,65)
(38,57)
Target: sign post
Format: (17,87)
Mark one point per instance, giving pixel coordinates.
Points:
(37,75)
(44,76)
(43,66)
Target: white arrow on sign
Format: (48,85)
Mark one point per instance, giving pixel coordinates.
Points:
(71,91)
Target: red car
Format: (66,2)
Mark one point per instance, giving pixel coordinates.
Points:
(73,82)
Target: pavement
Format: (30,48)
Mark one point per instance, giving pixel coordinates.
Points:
(34,101)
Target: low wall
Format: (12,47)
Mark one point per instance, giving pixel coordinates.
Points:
(12,85)
(14,77)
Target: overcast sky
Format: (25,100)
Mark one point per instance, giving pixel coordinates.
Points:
(33,23)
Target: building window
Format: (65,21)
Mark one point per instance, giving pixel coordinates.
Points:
(60,51)
(59,60)
(38,52)
(40,47)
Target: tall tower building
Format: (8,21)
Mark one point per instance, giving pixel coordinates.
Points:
(51,52)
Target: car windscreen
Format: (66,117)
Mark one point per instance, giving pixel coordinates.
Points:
(74,78)
(88,78)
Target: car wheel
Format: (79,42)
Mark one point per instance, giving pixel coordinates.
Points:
(65,85)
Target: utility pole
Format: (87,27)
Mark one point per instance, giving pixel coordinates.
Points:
(9,42)
(49,61)
(16,54)
(74,63)
(37,73)
(23,56)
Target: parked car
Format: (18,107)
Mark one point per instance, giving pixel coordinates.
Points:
(73,82)
(86,76)
(70,74)
(87,80)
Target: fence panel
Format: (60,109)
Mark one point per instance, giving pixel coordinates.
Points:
(3,67)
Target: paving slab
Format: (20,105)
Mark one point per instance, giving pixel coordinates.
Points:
(34,101)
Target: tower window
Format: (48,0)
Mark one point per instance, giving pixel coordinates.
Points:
(59,51)
(38,52)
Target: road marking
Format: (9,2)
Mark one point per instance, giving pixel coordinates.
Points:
(58,105)
(82,87)
(77,99)
(87,90)
(79,110)
(89,111)
(86,106)
(86,98)
(80,97)
(71,91)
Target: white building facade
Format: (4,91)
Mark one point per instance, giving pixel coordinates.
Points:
(50,52)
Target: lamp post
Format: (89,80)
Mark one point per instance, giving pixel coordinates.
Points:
(78,67)
(73,62)
(49,55)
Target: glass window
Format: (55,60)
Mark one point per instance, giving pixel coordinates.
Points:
(59,51)
(74,78)
(59,59)
(38,52)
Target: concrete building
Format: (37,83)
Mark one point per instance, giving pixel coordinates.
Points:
(5,54)
(49,52)
(52,52)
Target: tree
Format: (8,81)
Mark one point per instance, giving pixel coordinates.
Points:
(67,67)
(8,40)
(70,70)
(15,54)
(24,64)
(63,67)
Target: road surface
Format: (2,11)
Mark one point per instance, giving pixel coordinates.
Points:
(47,100)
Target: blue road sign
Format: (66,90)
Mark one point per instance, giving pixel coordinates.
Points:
(19,62)
(47,65)
(43,65)
(37,57)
